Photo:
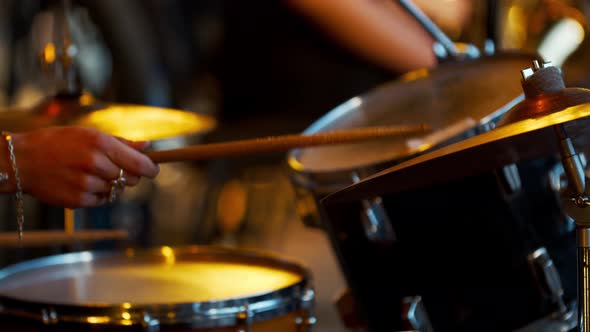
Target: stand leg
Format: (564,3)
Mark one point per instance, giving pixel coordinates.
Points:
(583,239)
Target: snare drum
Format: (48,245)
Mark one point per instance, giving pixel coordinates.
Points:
(169,289)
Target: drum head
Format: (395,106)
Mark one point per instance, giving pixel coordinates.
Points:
(175,278)
(452,98)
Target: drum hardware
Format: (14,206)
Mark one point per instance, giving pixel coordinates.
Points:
(576,200)
(444,47)
(539,81)
(49,316)
(509,179)
(508,176)
(556,322)
(548,279)
(149,324)
(414,314)
(244,319)
(307,320)
(443,40)
(375,219)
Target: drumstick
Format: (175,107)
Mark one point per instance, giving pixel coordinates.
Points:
(283,143)
(53,238)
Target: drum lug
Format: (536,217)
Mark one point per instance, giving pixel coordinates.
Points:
(376,222)
(547,277)
(149,324)
(509,179)
(414,314)
(49,316)
(244,319)
(307,320)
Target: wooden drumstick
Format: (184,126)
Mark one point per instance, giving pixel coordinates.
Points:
(54,238)
(284,143)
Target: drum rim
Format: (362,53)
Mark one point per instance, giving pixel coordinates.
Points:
(206,314)
(351,105)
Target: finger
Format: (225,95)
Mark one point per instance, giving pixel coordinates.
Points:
(92,184)
(132,179)
(131,160)
(82,200)
(137,145)
(99,164)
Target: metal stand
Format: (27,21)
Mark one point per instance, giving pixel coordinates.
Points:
(583,239)
(446,49)
(577,206)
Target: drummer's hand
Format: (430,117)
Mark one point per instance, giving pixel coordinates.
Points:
(73,167)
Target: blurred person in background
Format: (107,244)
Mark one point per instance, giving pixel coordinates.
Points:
(290,62)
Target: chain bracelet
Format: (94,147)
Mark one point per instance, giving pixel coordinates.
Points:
(20,214)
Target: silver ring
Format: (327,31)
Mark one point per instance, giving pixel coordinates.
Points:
(114,191)
(121,180)
(117,186)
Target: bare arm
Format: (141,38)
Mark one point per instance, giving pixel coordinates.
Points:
(380,31)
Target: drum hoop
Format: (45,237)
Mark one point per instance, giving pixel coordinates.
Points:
(206,314)
(351,104)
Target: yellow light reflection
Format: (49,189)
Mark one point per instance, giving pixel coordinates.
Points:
(193,282)
(98,320)
(86,99)
(515,31)
(48,53)
(126,315)
(168,254)
(129,252)
(126,305)
(140,123)
(415,75)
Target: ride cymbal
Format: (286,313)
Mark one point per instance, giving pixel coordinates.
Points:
(526,132)
(454,98)
(133,122)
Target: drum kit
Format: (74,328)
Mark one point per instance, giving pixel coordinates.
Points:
(472,222)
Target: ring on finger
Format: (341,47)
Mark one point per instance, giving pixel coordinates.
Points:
(117,186)
(114,192)
(121,180)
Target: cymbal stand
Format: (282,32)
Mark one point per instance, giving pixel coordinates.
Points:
(430,27)
(577,206)
(450,48)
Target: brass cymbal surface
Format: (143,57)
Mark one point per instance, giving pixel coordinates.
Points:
(461,95)
(133,122)
(517,139)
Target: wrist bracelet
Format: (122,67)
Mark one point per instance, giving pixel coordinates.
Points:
(20,215)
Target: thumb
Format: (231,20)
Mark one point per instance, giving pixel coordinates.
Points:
(137,145)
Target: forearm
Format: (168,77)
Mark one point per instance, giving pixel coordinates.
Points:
(379,31)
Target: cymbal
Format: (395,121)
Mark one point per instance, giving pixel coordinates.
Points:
(526,132)
(133,122)
(453,98)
